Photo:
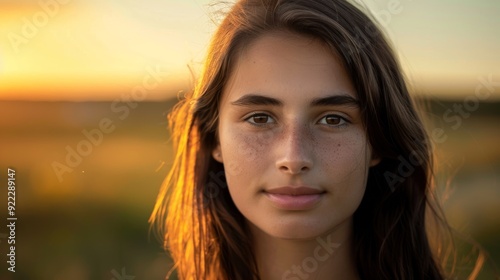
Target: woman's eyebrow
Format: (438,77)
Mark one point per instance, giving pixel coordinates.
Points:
(332,100)
(336,100)
(255,99)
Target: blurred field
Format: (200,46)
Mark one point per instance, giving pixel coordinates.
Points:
(92,224)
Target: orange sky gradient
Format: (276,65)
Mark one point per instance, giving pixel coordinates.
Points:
(102,50)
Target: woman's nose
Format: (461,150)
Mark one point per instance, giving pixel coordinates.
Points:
(294,150)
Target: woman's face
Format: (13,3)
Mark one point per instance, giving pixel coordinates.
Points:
(291,138)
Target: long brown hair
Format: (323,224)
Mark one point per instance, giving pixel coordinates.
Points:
(201,227)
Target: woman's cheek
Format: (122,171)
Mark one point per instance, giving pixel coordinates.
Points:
(343,155)
(243,150)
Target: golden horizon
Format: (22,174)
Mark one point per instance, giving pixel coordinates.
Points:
(92,50)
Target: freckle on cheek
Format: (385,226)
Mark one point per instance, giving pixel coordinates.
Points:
(247,147)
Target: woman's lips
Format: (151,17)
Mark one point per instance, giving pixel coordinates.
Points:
(294,198)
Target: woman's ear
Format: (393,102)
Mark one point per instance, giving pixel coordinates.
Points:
(374,161)
(375,158)
(217,154)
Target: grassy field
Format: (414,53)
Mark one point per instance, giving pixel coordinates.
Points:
(89,219)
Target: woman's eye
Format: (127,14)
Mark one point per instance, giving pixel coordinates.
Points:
(260,119)
(333,120)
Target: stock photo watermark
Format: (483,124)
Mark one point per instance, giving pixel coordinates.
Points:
(393,7)
(11,219)
(385,16)
(31,25)
(215,185)
(454,117)
(323,251)
(121,107)
(121,276)
(216,180)
(460,111)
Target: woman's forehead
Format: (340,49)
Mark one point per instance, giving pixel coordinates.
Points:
(284,65)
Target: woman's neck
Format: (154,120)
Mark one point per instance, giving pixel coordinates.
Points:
(323,258)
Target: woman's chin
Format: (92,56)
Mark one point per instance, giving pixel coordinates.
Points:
(291,231)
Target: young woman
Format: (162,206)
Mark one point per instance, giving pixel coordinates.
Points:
(300,154)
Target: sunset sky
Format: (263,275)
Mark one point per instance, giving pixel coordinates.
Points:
(103,50)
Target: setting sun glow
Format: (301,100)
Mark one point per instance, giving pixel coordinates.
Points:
(97,50)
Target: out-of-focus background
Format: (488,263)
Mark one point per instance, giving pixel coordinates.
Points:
(85,87)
